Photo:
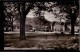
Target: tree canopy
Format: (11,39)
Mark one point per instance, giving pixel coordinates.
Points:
(62,10)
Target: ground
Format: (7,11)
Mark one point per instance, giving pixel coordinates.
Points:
(40,42)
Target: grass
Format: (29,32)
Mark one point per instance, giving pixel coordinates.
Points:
(41,42)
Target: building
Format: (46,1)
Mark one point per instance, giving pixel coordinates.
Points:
(58,27)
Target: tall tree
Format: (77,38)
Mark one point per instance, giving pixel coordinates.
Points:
(22,22)
(73,20)
(22,19)
(72,8)
(11,14)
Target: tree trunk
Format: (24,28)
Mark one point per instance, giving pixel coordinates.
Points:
(73,20)
(22,28)
(22,20)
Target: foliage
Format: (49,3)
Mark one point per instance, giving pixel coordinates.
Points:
(61,10)
(11,14)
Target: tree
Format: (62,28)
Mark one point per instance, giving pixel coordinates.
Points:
(73,16)
(72,8)
(52,9)
(73,20)
(11,14)
(25,7)
(22,19)
(42,6)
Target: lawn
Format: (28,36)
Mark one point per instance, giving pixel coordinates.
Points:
(40,42)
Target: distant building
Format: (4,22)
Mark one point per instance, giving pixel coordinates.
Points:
(31,25)
(58,27)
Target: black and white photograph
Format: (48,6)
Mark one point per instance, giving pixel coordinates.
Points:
(52,25)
